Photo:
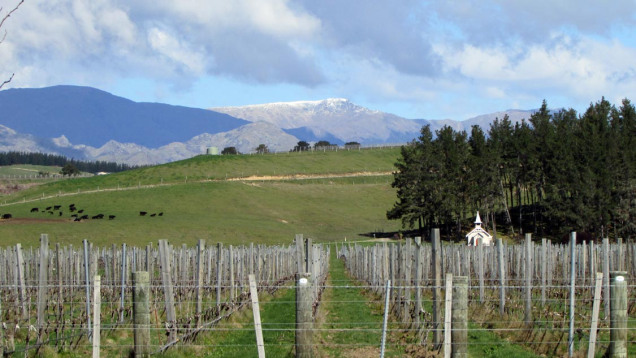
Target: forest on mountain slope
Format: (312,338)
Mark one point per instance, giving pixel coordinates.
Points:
(555,173)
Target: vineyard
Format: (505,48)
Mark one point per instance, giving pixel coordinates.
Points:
(534,298)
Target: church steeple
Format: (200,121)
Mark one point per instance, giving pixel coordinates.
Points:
(478,220)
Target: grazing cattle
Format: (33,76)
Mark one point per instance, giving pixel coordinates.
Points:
(84,217)
(50,212)
(74,215)
(80,211)
(143,213)
(72,209)
(57,207)
(160,214)
(35,210)
(61,213)
(71,205)
(7,216)
(153,215)
(98,216)
(111,217)
(48,208)
(77,219)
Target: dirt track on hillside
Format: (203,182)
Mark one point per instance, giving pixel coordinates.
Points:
(308,176)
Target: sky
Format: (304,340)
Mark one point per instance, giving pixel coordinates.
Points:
(416,59)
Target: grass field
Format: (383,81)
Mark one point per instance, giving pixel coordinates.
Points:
(198,203)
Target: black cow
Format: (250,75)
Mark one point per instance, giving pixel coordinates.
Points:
(160,214)
(74,215)
(35,210)
(48,208)
(98,216)
(7,216)
(153,215)
(57,207)
(80,211)
(72,209)
(143,213)
(61,213)
(84,217)
(111,217)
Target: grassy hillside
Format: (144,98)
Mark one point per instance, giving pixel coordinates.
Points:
(216,210)
(27,169)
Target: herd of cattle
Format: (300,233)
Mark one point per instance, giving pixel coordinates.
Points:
(77,214)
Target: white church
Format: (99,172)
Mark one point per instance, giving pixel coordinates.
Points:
(478,236)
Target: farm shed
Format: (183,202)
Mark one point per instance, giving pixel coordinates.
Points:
(478,236)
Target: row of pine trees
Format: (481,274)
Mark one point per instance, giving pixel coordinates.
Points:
(12,158)
(557,172)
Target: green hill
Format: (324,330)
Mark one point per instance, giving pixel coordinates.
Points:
(326,195)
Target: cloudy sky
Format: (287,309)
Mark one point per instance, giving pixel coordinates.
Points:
(417,59)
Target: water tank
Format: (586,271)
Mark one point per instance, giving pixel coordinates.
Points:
(212,151)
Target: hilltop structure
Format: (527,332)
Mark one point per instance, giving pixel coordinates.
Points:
(478,236)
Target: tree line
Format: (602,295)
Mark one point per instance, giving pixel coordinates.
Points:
(557,172)
(11,158)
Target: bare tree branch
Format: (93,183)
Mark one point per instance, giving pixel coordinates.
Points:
(9,13)
(7,81)
(5,35)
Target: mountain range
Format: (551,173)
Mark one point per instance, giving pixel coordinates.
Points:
(89,124)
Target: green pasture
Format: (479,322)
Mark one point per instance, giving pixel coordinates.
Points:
(27,169)
(236,212)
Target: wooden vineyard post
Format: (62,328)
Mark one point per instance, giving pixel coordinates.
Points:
(437,292)
(459,317)
(231,263)
(544,253)
(447,316)
(43,287)
(87,283)
(123,283)
(618,314)
(385,320)
(166,278)
(141,313)
(97,309)
(21,279)
(606,277)
(572,291)
(200,248)
(528,280)
(418,281)
(304,320)
(595,313)
(260,344)
(58,269)
(480,252)
(219,273)
(502,278)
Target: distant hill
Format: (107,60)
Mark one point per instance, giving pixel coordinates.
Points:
(93,117)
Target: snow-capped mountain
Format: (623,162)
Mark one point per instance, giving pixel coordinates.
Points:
(89,124)
(336,118)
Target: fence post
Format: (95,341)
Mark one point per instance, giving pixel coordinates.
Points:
(200,248)
(595,312)
(257,317)
(618,314)
(97,310)
(572,291)
(528,280)
(141,313)
(21,279)
(459,316)
(164,255)
(303,316)
(437,283)
(447,315)
(502,279)
(219,272)
(606,277)
(43,287)
(385,321)
(123,283)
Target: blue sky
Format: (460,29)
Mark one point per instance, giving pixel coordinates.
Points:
(417,59)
